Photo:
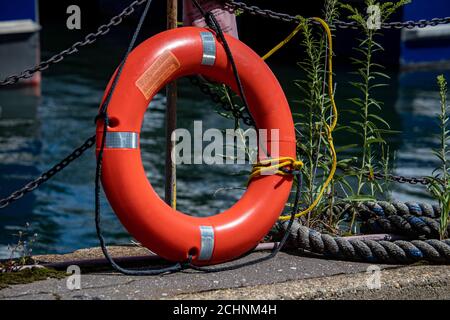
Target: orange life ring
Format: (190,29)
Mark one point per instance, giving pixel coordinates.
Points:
(165,231)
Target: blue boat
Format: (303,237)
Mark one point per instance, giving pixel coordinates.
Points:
(430,46)
(19,37)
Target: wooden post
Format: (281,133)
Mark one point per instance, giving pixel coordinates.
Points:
(171,117)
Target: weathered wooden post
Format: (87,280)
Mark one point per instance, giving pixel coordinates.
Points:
(171,116)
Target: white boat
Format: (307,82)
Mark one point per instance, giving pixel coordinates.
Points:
(19,38)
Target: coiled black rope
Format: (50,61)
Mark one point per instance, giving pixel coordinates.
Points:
(103,115)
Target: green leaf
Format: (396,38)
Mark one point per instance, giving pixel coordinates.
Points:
(374,116)
(343,148)
(381,75)
(372,140)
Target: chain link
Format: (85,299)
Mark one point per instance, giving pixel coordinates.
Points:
(89,39)
(254,10)
(401,179)
(32,185)
(391,177)
(236,110)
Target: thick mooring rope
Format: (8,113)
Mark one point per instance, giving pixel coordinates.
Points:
(416,220)
(384,208)
(407,225)
(400,251)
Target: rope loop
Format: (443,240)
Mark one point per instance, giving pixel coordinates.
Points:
(283,166)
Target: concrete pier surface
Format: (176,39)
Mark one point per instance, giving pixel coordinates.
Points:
(288,276)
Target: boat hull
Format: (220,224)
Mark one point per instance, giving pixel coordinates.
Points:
(19,39)
(429,46)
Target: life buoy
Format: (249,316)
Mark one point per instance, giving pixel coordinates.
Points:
(169,233)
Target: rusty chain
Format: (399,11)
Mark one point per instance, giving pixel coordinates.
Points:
(89,39)
(257,11)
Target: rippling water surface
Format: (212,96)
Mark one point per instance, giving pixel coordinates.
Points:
(36,132)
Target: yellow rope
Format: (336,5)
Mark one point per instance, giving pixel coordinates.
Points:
(330,60)
(282,43)
(273,166)
(266,165)
(330,71)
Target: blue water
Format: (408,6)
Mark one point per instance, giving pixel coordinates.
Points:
(36,132)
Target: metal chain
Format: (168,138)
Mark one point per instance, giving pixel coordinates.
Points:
(236,110)
(401,179)
(32,185)
(254,10)
(89,39)
(391,177)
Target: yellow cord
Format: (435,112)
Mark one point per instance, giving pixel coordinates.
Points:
(330,60)
(282,43)
(296,164)
(273,166)
(330,71)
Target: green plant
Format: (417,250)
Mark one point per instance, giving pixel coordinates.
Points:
(20,253)
(370,126)
(310,125)
(440,182)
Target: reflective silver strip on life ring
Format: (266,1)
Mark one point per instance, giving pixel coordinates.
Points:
(207,243)
(121,140)
(209,48)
